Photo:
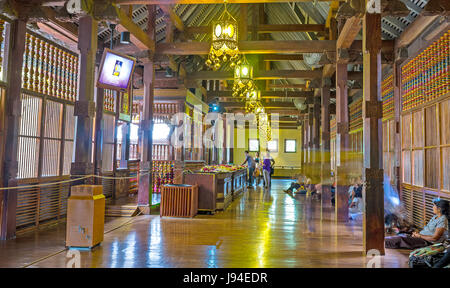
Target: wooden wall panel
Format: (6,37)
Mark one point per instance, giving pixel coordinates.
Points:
(406,131)
(445,120)
(417,129)
(418,167)
(446,169)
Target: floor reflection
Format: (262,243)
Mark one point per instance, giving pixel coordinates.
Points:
(262,228)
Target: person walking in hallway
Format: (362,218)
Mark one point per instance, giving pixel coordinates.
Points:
(267,162)
(251,168)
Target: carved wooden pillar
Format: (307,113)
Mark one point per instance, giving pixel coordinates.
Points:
(373,225)
(125,149)
(85,106)
(98,135)
(12,115)
(310,162)
(146,125)
(224,140)
(179,149)
(315,176)
(397,113)
(342,143)
(325,168)
(302,150)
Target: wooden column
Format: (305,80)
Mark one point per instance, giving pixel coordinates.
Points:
(12,115)
(243,23)
(325,168)
(373,225)
(342,143)
(225,144)
(310,158)
(98,135)
(315,177)
(146,125)
(125,149)
(397,113)
(85,106)
(302,150)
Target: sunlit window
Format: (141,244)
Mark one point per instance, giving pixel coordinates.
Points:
(290,146)
(161,131)
(272,146)
(253,145)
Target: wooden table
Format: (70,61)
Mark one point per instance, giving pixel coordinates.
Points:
(214,190)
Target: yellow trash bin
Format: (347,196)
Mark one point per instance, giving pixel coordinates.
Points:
(85,216)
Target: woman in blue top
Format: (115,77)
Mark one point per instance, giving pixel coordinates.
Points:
(433,232)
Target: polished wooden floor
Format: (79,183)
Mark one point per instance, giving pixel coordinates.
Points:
(260,229)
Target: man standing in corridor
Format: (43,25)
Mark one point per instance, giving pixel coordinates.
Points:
(251,168)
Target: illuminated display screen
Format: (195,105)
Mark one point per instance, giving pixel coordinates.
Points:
(116,71)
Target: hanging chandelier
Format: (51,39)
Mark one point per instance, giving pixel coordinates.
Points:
(224,44)
(243,79)
(264,126)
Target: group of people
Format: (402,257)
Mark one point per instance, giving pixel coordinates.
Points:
(258,167)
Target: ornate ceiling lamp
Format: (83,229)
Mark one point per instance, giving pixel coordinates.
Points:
(243,79)
(224,44)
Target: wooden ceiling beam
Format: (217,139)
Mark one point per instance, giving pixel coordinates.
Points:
(137,36)
(264,47)
(257,75)
(157,2)
(249,47)
(282,57)
(265,28)
(287,86)
(349,32)
(176,20)
(269,105)
(264,94)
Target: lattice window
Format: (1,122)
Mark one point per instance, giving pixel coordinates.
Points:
(52,138)
(69,134)
(387,96)
(49,69)
(355,115)
(29,137)
(427,76)
(108,143)
(109,100)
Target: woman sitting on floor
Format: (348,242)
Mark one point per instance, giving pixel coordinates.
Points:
(299,185)
(433,232)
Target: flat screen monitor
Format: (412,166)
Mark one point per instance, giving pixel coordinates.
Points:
(116,71)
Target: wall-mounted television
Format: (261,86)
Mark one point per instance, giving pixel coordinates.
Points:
(116,71)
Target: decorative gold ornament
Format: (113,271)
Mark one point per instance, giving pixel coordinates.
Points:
(243,79)
(224,46)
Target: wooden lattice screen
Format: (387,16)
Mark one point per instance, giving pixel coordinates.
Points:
(387,96)
(425,162)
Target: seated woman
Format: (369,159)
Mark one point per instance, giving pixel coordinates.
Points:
(433,232)
(296,185)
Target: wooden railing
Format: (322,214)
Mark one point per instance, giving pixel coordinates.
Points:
(37,206)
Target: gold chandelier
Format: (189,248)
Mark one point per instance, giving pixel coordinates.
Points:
(224,44)
(253,103)
(264,126)
(243,79)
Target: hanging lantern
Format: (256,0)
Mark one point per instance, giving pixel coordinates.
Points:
(243,79)
(224,46)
